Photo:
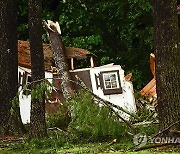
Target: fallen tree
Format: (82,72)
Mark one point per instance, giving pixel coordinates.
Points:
(54,34)
(114,108)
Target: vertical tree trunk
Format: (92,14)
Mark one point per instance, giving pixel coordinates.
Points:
(37,119)
(60,58)
(9,124)
(167,51)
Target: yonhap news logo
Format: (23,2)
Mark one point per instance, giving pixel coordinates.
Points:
(167,139)
(141,140)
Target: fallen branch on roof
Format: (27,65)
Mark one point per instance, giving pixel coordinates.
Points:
(107,104)
(116,113)
(83,86)
(102,101)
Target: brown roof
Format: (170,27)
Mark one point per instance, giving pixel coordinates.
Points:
(25,60)
(24,53)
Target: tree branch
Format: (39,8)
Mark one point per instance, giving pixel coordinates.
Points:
(166,129)
(85,88)
(102,101)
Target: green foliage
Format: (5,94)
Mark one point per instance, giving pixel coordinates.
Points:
(91,148)
(91,121)
(41,91)
(116,31)
(149,130)
(15,105)
(145,111)
(22,19)
(53,145)
(61,119)
(45,145)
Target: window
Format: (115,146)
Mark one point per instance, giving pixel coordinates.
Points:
(110,82)
(29,80)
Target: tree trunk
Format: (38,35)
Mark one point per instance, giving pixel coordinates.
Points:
(9,124)
(60,58)
(37,118)
(166,41)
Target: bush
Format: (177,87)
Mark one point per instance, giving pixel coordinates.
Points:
(94,122)
(61,119)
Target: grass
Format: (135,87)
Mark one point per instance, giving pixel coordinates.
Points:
(47,146)
(86,133)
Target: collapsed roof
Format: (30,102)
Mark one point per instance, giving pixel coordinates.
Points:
(24,58)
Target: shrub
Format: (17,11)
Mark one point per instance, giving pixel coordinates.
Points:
(60,119)
(92,121)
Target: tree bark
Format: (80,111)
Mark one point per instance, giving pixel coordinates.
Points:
(60,58)
(166,43)
(9,124)
(37,118)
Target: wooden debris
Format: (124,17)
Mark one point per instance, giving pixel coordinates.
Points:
(128,77)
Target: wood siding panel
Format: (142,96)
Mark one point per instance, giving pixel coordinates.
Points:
(84,76)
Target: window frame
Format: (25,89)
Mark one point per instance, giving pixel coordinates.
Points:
(109,91)
(29,86)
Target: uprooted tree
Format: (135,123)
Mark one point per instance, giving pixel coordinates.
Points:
(59,52)
(167,51)
(10,120)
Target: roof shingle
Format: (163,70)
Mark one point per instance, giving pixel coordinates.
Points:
(24,58)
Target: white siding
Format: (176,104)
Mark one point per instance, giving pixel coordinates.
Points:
(126,99)
(25,101)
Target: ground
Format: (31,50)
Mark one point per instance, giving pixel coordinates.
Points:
(102,148)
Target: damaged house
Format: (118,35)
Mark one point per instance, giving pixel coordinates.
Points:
(108,81)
